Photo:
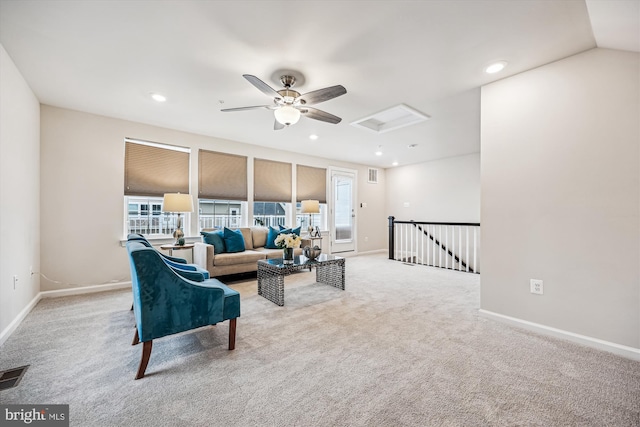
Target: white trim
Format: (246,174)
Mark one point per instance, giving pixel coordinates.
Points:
(158,145)
(375,251)
(6,333)
(618,349)
(84,290)
(159,241)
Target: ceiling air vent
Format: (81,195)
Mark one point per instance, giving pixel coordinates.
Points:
(391,119)
(373,176)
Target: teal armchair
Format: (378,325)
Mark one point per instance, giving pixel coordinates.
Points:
(167,303)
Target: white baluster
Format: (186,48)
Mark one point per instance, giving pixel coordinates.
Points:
(467,260)
(460,248)
(422,245)
(475,250)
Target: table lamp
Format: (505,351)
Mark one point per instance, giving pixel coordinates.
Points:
(177,203)
(310,207)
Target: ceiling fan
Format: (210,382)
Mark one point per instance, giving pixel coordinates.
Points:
(288,104)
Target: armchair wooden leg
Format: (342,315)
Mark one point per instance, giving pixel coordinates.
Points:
(144,361)
(136,339)
(232,333)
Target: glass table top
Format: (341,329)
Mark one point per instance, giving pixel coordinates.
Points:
(299,260)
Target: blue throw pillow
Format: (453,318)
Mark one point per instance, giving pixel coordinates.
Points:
(271,237)
(286,230)
(215,238)
(233,240)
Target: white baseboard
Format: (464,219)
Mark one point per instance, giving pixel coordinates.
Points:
(6,333)
(350,254)
(84,290)
(375,251)
(618,349)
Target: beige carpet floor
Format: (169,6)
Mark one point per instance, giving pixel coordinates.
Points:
(401,346)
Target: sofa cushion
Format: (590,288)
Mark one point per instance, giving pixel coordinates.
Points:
(233,240)
(259,236)
(215,238)
(248,239)
(239,258)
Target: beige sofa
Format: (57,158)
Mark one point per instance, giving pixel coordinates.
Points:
(255,238)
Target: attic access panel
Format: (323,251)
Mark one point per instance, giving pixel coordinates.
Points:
(391,119)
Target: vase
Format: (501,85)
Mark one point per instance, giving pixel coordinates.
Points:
(287,255)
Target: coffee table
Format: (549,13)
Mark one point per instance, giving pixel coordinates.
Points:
(271,272)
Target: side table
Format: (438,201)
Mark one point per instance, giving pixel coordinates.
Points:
(314,240)
(172,247)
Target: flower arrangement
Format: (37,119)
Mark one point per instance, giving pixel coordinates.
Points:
(288,241)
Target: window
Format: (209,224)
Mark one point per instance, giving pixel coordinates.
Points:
(222,176)
(150,170)
(271,213)
(311,183)
(152,222)
(271,181)
(317,220)
(221,213)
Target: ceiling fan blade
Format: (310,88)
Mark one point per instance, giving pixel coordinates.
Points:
(254,107)
(277,125)
(262,86)
(314,113)
(321,95)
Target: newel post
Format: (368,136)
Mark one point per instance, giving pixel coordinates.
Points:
(391,237)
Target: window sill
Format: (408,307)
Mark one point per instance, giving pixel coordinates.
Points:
(158,241)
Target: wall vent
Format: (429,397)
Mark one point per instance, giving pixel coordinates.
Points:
(391,119)
(373,176)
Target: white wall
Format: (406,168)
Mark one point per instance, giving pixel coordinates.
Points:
(446,190)
(561,195)
(82,192)
(19,192)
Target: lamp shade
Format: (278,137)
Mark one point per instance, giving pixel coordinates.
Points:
(287,115)
(177,202)
(310,207)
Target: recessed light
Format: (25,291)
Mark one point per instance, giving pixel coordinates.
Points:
(378,153)
(495,67)
(394,164)
(313,136)
(158,98)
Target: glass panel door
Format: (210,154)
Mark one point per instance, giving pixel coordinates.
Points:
(343,227)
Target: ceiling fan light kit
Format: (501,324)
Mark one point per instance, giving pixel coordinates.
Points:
(287,115)
(289,105)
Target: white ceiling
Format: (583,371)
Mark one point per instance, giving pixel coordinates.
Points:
(106,57)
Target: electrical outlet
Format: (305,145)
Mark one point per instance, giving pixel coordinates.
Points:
(536,286)
(15,281)
(366,239)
